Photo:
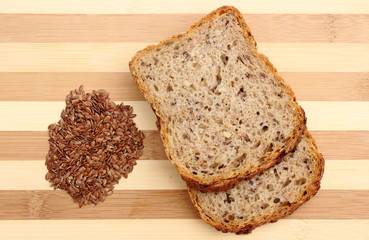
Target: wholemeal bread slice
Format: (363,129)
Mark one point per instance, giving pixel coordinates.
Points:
(223,111)
(266,197)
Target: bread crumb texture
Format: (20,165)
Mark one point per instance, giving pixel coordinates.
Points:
(265,197)
(224,108)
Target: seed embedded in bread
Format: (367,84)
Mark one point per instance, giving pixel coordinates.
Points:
(224,112)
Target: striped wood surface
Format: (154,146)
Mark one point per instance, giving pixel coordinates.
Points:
(47,48)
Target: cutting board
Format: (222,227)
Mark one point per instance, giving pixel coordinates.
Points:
(48,48)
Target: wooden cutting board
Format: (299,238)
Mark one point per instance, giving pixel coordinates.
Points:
(50,47)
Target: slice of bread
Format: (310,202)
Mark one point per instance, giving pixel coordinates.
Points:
(266,197)
(223,111)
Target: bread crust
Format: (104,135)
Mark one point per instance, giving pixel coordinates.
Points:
(285,211)
(220,184)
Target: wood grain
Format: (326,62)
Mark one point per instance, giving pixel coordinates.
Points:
(49,28)
(154,204)
(67,57)
(147,175)
(335,115)
(169,6)
(41,114)
(180,229)
(26,86)
(34,145)
(334,145)
(329,86)
(336,173)
(161,175)
(342,144)
(50,47)
(114,57)
(322,115)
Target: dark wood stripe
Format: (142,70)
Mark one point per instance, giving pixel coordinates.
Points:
(154,27)
(314,86)
(335,145)
(34,146)
(329,86)
(154,204)
(25,86)
(342,145)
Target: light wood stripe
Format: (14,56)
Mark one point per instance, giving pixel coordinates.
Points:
(114,57)
(336,175)
(155,27)
(317,57)
(181,229)
(67,57)
(341,145)
(161,174)
(168,6)
(46,86)
(327,204)
(332,115)
(321,115)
